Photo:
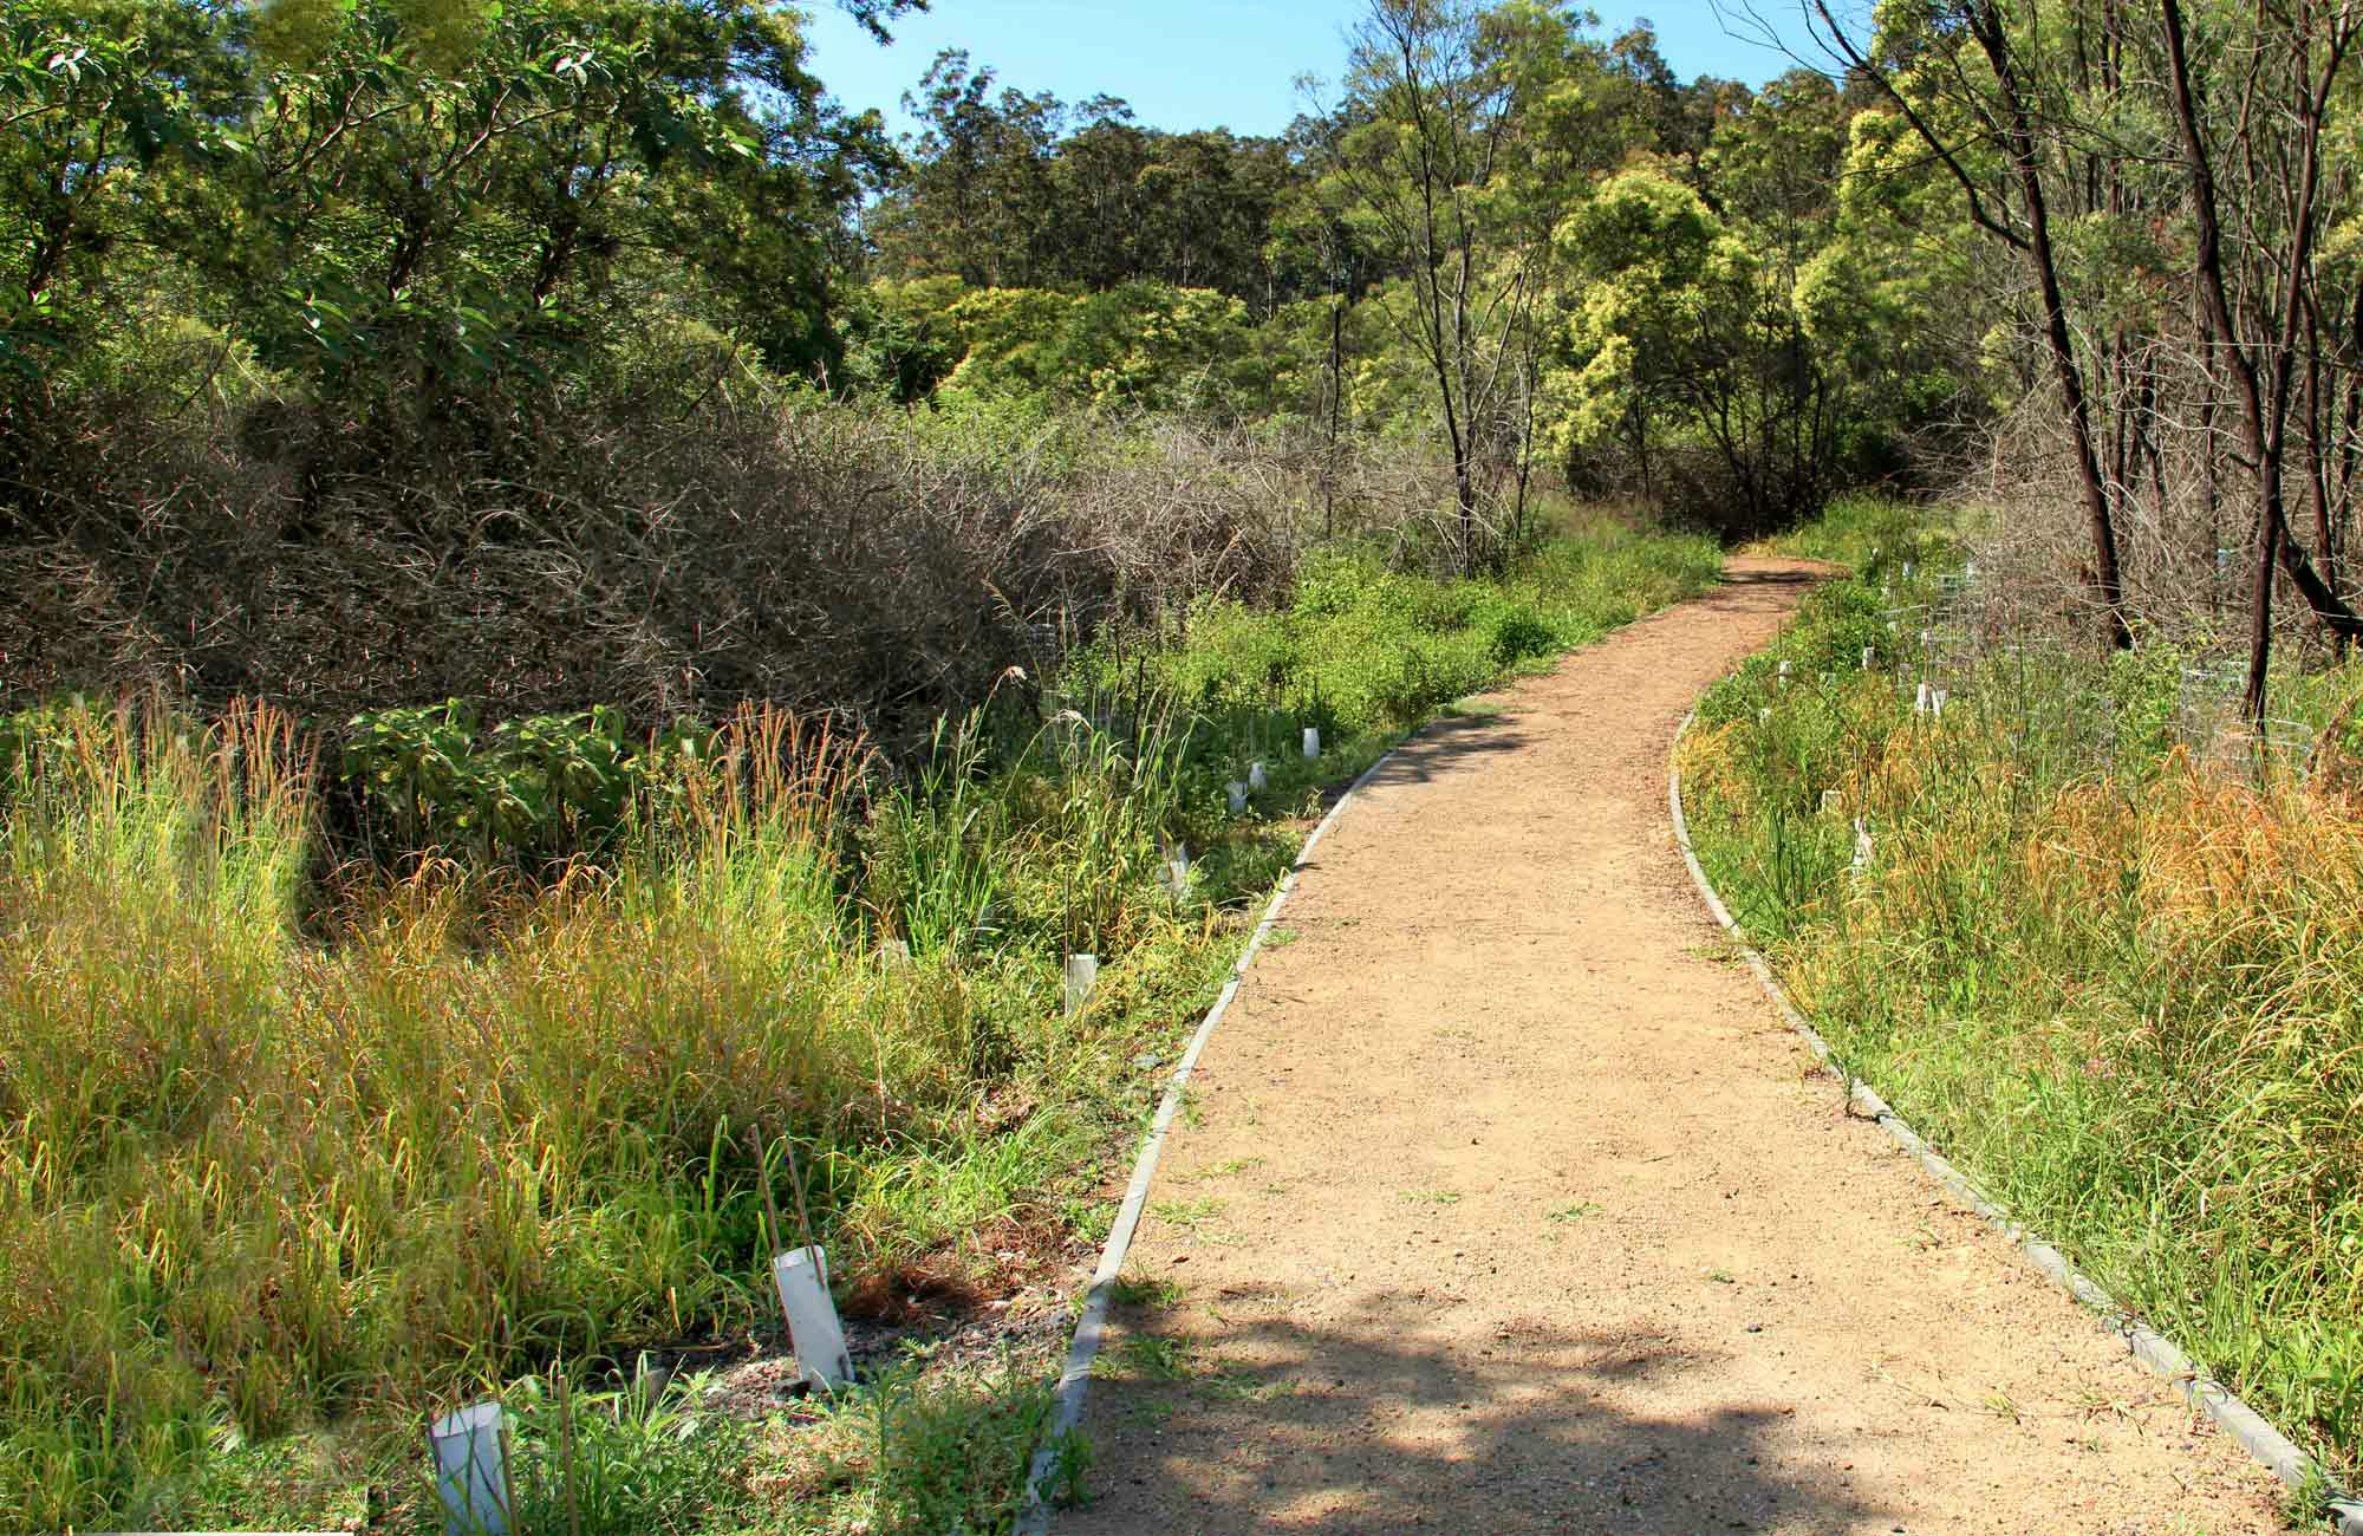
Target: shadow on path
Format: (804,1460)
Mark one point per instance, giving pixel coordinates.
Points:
(1526,1429)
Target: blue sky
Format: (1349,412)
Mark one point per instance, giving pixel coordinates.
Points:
(1189,63)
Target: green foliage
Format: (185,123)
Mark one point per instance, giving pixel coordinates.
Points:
(1365,651)
(1139,346)
(1007,189)
(634,1459)
(543,788)
(375,196)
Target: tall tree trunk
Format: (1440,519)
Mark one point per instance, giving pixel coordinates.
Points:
(1990,29)
(2263,393)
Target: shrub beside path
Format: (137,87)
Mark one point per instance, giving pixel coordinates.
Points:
(1507,1204)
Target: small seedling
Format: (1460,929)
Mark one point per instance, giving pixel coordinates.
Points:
(1144,1357)
(1189,1215)
(1143,1291)
(1224,1170)
(1567,1215)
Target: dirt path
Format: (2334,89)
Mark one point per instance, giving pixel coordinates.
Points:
(1508,1205)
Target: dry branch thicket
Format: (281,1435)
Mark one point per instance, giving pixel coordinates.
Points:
(859,558)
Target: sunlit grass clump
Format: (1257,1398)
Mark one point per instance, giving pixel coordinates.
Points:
(252,1177)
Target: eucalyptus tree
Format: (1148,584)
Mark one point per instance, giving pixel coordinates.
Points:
(1430,164)
(1956,72)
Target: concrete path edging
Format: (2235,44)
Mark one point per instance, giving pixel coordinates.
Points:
(1074,1381)
(2274,1450)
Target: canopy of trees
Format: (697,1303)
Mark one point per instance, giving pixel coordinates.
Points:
(430,247)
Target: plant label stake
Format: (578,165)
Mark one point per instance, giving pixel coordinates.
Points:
(1869,654)
(1238,793)
(1920,701)
(1936,702)
(1783,675)
(471,1449)
(813,1330)
(1862,849)
(1082,976)
(1255,777)
(1312,742)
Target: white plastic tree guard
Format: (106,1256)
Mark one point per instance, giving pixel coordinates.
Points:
(813,1329)
(1312,742)
(1081,976)
(471,1449)
(1238,795)
(1255,776)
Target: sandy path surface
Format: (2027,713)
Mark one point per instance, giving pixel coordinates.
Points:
(1506,1204)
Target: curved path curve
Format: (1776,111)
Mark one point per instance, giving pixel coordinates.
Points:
(1506,1204)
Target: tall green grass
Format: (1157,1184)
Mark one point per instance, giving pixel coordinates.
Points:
(2106,957)
(296,1148)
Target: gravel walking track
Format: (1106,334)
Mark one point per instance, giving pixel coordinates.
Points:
(1506,1203)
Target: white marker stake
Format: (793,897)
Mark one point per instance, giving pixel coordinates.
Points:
(1238,794)
(1784,674)
(1936,702)
(1312,742)
(813,1330)
(1177,869)
(1255,777)
(1920,701)
(1082,976)
(1870,655)
(1862,849)
(472,1470)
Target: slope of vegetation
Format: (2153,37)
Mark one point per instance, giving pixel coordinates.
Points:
(299,1145)
(2100,950)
